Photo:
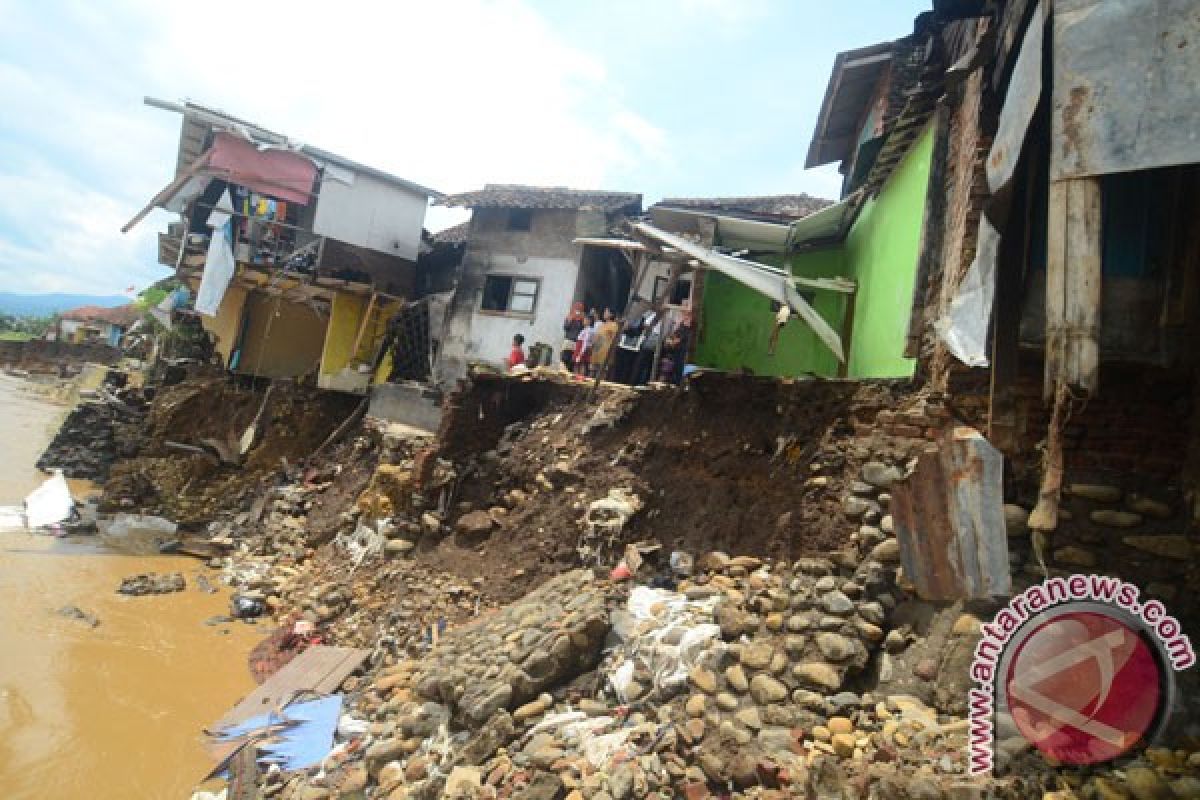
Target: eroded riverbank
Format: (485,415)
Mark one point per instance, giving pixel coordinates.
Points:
(113,711)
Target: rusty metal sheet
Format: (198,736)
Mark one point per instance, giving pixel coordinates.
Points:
(949,520)
(1020,104)
(1125,94)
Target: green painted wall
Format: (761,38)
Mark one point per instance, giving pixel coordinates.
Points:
(882,248)
(880,252)
(737,323)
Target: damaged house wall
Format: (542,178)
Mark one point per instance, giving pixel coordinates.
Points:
(737,322)
(879,253)
(545,253)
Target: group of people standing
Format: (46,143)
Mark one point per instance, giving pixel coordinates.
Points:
(622,351)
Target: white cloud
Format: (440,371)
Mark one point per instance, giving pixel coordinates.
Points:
(449,94)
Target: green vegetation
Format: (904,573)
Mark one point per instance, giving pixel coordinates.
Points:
(21,329)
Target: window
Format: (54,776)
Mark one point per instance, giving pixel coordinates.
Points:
(683,291)
(509,293)
(520,219)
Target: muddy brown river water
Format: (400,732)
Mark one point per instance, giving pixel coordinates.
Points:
(113,711)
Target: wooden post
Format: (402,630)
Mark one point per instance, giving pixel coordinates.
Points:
(362,326)
(847,333)
(1073,284)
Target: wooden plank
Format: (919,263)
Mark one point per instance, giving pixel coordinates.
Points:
(362,327)
(1083,283)
(319,669)
(1056,266)
(847,333)
(828,284)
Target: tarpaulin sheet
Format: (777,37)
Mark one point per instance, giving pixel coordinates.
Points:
(304,741)
(219,266)
(280,173)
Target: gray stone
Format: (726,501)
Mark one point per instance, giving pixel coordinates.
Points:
(837,603)
(1146,784)
(818,675)
(895,641)
(886,552)
(1111,518)
(757,655)
(726,701)
(880,475)
(835,647)
(398,547)
(871,612)
(1075,556)
(1095,492)
(810,700)
(855,507)
(749,717)
(1016,520)
(736,676)
(475,524)
(1148,506)
(1165,545)
(765,690)
(544,786)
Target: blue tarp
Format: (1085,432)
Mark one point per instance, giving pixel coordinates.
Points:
(306,739)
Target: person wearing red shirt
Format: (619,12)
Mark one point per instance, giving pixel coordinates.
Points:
(517,354)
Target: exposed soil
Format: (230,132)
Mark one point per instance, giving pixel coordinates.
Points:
(727,465)
(204,410)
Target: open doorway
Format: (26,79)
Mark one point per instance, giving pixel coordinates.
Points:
(604,279)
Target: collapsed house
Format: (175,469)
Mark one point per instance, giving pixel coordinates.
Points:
(299,258)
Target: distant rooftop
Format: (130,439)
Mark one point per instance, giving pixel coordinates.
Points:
(504,195)
(121,315)
(782,206)
(456,234)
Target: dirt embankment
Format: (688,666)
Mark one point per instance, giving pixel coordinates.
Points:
(745,466)
(212,413)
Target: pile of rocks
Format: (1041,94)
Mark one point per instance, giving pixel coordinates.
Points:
(504,660)
(152,583)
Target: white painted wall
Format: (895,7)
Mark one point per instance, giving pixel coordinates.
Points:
(370,213)
(491,333)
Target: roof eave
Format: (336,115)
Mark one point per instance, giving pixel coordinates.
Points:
(824,148)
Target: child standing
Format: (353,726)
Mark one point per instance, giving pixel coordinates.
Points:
(517,354)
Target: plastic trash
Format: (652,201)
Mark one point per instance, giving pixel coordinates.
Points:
(682,563)
(50,503)
(664,633)
(305,737)
(247,607)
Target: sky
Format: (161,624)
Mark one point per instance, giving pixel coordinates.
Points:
(669,98)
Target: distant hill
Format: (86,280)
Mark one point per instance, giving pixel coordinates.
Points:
(41,305)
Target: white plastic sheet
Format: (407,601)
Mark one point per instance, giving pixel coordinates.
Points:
(220,264)
(964,327)
(50,503)
(670,634)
